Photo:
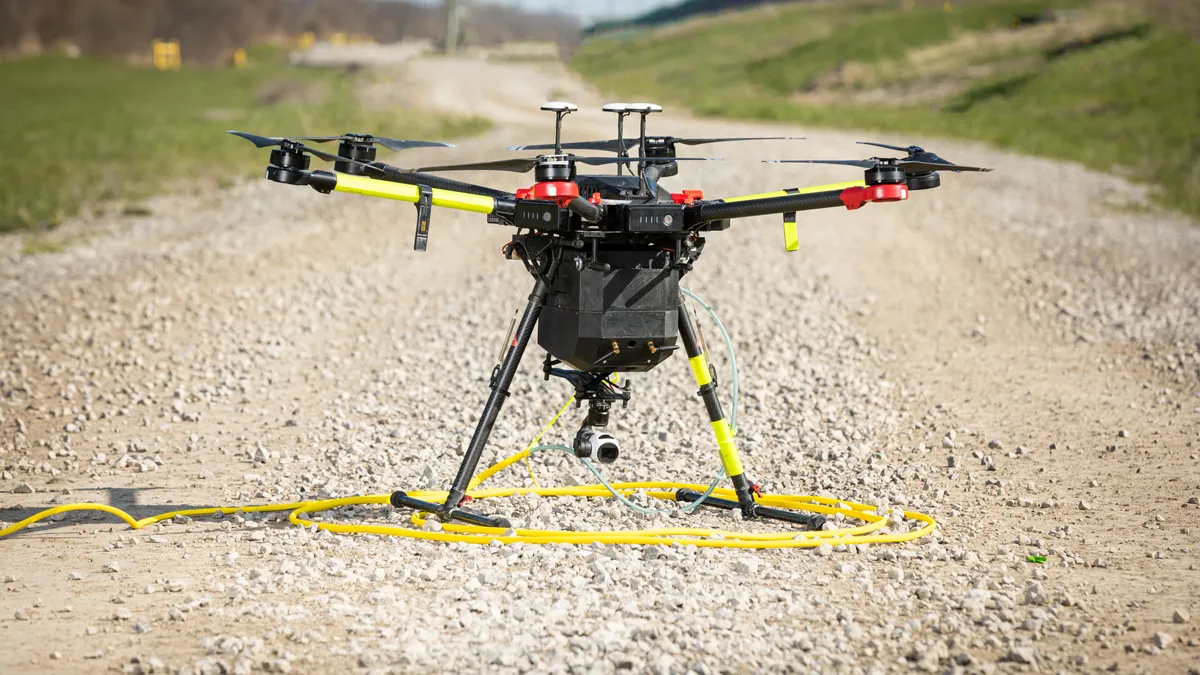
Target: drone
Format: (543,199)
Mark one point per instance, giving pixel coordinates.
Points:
(606,253)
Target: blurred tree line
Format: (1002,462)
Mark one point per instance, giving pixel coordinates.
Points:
(209,30)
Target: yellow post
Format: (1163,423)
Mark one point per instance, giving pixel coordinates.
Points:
(239,58)
(337,39)
(165,54)
(306,40)
(947,7)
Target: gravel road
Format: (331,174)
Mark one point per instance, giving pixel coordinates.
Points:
(1015,354)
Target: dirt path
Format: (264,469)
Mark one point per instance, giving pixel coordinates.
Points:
(1038,324)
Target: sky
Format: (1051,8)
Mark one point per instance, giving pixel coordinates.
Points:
(587,11)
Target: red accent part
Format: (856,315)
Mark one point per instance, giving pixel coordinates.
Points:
(595,198)
(855,197)
(687,197)
(556,191)
(524,193)
(465,499)
(756,490)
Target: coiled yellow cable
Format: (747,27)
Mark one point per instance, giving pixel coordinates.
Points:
(867,533)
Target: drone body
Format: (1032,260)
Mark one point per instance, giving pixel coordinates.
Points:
(607,253)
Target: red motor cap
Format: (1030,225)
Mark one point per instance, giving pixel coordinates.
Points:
(561,192)
(855,197)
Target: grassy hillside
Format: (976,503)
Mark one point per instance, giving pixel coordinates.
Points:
(674,12)
(84,131)
(1101,83)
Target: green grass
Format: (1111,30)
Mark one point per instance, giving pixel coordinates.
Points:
(75,132)
(1129,104)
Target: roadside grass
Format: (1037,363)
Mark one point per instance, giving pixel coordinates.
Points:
(85,132)
(1108,88)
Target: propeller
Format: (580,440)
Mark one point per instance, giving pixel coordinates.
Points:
(614,145)
(909,166)
(267,141)
(526,164)
(919,160)
(393,144)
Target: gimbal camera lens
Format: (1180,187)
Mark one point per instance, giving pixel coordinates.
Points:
(603,445)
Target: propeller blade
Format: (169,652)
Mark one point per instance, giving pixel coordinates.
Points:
(258,141)
(518,165)
(702,141)
(910,166)
(864,163)
(316,139)
(523,165)
(393,144)
(911,150)
(598,146)
(598,161)
(613,145)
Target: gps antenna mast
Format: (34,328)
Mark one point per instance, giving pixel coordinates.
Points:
(621,110)
(559,108)
(643,109)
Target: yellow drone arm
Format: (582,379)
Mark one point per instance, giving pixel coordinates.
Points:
(791,236)
(373,187)
(798,191)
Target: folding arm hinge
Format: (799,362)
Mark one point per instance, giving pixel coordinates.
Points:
(424,208)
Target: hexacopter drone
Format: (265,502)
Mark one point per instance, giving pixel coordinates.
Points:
(606,253)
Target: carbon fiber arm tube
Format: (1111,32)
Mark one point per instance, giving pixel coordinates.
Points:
(397,175)
(709,211)
(505,207)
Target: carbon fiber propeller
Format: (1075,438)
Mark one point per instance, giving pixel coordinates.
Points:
(394,144)
(526,164)
(614,145)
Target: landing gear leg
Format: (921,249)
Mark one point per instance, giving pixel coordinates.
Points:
(730,459)
(501,380)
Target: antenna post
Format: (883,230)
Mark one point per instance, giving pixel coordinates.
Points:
(559,108)
(645,110)
(621,110)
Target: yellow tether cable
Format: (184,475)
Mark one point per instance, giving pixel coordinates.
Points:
(867,533)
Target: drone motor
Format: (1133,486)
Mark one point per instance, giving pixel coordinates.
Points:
(358,148)
(288,165)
